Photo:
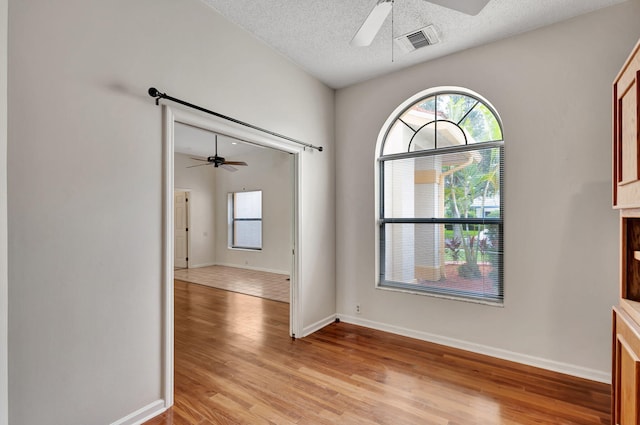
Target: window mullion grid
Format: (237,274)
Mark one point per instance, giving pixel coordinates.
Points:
(435,117)
(467,113)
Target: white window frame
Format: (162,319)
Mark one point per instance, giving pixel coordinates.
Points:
(232,221)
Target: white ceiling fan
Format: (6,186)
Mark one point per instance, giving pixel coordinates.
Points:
(372,24)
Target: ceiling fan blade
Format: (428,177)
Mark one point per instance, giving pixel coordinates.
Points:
(198,159)
(236,163)
(468,7)
(199,165)
(228,167)
(370,27)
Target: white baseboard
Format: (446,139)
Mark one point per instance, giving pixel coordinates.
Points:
(259,269)
(566,368)
(196,266)
(308,330)
(143,414)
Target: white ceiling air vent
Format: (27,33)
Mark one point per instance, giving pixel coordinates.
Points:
(417,39)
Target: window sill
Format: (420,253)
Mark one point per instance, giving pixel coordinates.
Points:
(238,248)
(442,295)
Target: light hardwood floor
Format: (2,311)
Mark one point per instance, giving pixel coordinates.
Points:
(235,364)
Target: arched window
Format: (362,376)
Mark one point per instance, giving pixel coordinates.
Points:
(441,201)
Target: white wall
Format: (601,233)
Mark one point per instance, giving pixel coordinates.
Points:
(552,88)
(271,171)
(85,179)
(4,401)
(202,211)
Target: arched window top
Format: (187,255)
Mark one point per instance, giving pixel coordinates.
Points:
(442,118)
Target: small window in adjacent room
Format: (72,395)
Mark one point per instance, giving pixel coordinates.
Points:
(441,202)
(245,224)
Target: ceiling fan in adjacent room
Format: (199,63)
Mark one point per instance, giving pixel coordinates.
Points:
(372,24)
(218,161)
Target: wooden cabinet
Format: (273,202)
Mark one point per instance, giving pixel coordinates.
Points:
(625,385)
(626,197)
(626,137)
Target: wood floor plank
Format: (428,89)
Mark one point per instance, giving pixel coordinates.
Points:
(235,364)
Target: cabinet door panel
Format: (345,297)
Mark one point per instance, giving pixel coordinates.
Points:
(628,111)
(626,369)
(628,374)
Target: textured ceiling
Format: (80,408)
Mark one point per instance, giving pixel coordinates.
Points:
(315,34)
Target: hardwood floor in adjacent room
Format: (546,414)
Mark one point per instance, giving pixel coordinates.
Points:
(235,364)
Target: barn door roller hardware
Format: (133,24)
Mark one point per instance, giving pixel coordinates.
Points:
(153,92)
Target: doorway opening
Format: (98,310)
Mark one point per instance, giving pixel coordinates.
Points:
(219,127)
(239,210)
